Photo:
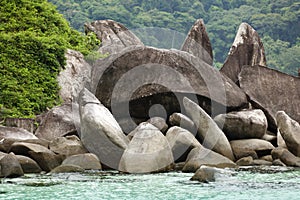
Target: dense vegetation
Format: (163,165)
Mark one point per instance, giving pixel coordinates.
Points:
(33,40)
(277,21)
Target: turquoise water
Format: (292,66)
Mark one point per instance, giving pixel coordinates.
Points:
(270,183)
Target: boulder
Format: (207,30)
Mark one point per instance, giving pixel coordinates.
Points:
(5,144)
(66,169)
(85,161)
(159,123)
(286,157)
(113,36)
(267,158)
(280,140)
(278,162)
(209,132)
(245,161)
(244,124)
(15,133)
(197,43)
(100,132)
(22,148)
(46,160)
(241,154)
(261,162)
(243,146)
(205,174)
(179,119)
(181,142)
(128,124)
(28,165)
(57,122)
(201,156)
(73,77)
(271,91)
(154,76)
(148,151)
(247,49)
(270,137)
(69,145)
(10,166)
(290,131)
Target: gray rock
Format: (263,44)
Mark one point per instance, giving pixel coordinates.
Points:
(148,151)
(247,49)
(47,161)
(261,162)
(209,132)
(278,162)
(28,165)
(5,144)
(290,131)
(181,142)
(113,35)
(241,154)
(179,119)
(263,86)
(69,145)
(159,123)
(66,169)
(205,174)
(10,166)
(22,148)
(57,122)
(85,161)
(243,124)
(201,156)
(267,158)
(100,133)
(286,157)
(197,42)
(245,161)
(15,133)
(270,137)
(280,141)
(73,77)
(248,145)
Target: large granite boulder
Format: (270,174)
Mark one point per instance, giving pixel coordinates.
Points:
(5,144)
(15,133)
(197,42)
(179,119)
(74,76)
(209,132)
(10,166)
(181,142)
(290,131)
(57,122)
(113,36)
(205,174)
(28,165)
(100,133)
(271,91)
(148,151)
(69,145)
(243,124)
(247,49)
(159,123)
(201,156)
(286,157)
(22,148)
(85,161)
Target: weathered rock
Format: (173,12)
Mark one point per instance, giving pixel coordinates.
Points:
(261,147)
(58,122)
(113,35)
(10,166)
(241,154)
(158,76)
(181,142)
(263,86)
(201,156)
(197,42)
(28,165)
(243,124)
(74,77)
(100,133)
(159,123)
(245,161)
(85,161)
(280,140)
(69,145)
(129,124)
(24,123)
(261,162)
(290,131)
(205,174)
(270,137)
(267,158)
(148,151)
(178,119)
(5,144)
(247,49)
(66,169)
(15,133)
(286,157)
(47,161)
(209,132)
(278,162)
(22,148)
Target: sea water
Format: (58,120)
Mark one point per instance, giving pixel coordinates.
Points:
(252,183)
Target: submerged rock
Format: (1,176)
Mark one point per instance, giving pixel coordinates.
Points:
(205,174)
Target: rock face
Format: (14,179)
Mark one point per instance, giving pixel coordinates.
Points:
(271,91)
(113,35)
(243,124)
(290,131)
(85,161)
(15,133)
(247,49)
(10,166)
(58,122)
(181,142)
(197,43)
(74,77)
(100,133)
(201,156)
(158,76)
(69,145)
(148,151)
(209,132)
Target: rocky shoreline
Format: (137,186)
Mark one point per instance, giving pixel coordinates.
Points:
(243,115)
